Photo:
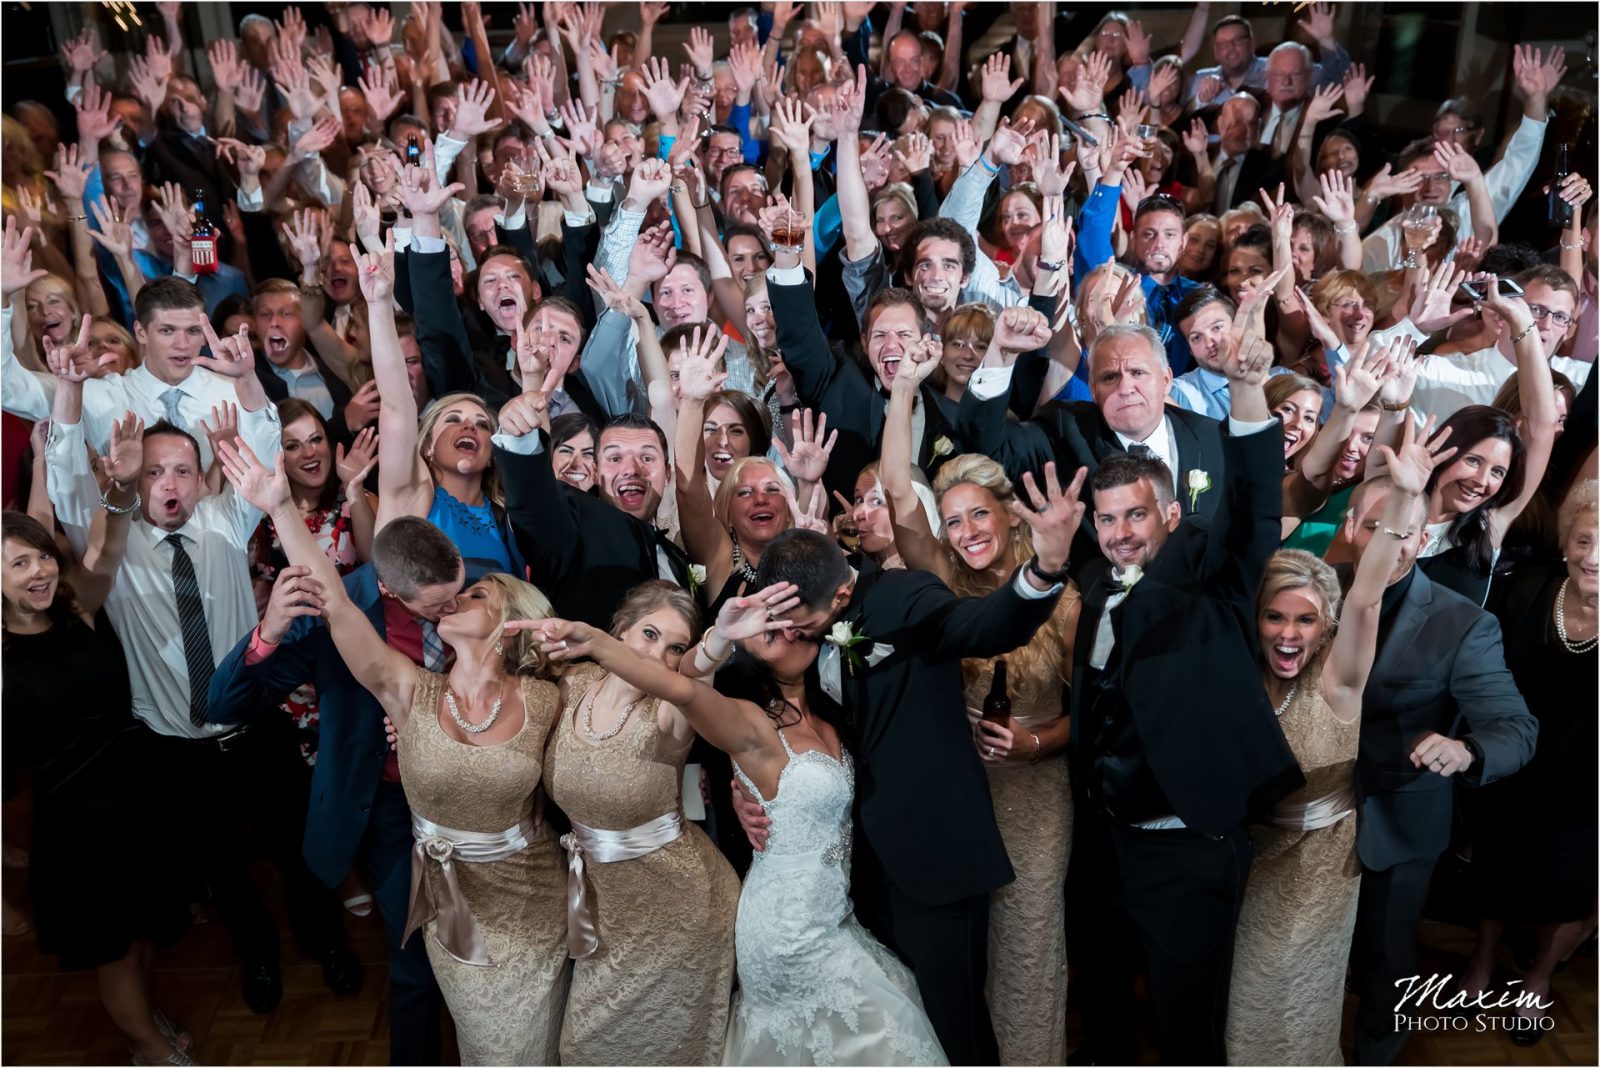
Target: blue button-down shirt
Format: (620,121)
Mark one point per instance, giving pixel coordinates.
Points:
(1202,392)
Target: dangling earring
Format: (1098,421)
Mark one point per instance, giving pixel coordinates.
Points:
(499,649)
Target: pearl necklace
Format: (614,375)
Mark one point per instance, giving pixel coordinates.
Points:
(1288,699)
(588,718)
(455,714)
(1561,624)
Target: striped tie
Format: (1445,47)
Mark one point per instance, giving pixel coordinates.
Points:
(192,621)
(433,657)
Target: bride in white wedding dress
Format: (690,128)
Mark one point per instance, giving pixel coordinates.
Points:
(814,987)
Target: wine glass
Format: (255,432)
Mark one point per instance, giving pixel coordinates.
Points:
(1415,226)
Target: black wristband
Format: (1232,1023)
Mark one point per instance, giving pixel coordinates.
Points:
(1053,578)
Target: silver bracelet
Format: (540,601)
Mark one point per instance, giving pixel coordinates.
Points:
(105,502)
(1347,228)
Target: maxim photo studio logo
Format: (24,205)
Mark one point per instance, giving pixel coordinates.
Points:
(1487,1010)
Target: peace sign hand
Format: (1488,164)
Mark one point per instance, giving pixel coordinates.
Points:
(813,517)
(1054,517)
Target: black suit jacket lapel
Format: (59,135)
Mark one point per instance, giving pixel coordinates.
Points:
(1191,457)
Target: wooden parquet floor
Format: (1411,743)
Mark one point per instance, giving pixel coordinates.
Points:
(48,1017)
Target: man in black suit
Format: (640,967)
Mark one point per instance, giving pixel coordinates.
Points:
(358,813)
(855,398)
(1129,377)
(286,367)
(929,853)
(1243,165)
(1173,738)
(588,551)
(1440,705)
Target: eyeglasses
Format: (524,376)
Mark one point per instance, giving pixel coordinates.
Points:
(1345,307)
(970,346)
(1541,313)
(1112,33)
(1436,178)
(1453,131)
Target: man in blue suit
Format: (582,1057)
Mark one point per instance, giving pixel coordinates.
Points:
(358,812)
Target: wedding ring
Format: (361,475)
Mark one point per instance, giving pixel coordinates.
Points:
(991,750)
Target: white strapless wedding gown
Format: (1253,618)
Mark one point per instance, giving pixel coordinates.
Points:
(814,986)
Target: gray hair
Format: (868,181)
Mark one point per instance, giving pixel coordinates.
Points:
(1293,46)
(252,19)
(1117,331)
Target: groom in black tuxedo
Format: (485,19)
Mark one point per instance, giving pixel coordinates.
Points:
(1173,738)
(928,853)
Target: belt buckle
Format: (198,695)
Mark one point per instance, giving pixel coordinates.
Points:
(226,742)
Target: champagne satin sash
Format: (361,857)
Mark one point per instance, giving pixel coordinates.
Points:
(458,931)
(606,847)
(1315,815)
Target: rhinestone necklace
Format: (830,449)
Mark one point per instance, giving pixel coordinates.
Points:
(588,718)
(455,714)
(1288,698)
(1561,624)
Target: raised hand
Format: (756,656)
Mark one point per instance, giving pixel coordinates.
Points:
(384,98)
(375,271)
(125,457)
(875,163)
(355,465)
(95,120)
(419,189)
(1431,306)
(1457,161)
(1387,184)
(744,63)
(914,151)
(1048,173)
(967,145)
(323,133)
(1053,515)
(1411,463)
(72,363)
(996,85)
(698,374)
(651,180)
(472,116)
(614,296)
(1358,381)
(653,255)
(526,412)
(1338,199)
(158,57)
(223,426)
(380,27)
(780,215)
(251,92)
(664,95)
(364,214)
(1138,44)
(1320,328)
(743,618)
(812,517)
(1318,23)
(1020,328)
(1163,80)
(232,356)
(263,489)
(1009,141)
(1357,87)
(791,125)
(83,53)
(301,234)
(1207,88)
(807,458)
(700,53)
(16,259)
(1324,103)
(70,174)
(1087,91)
(362,408)
(848,104)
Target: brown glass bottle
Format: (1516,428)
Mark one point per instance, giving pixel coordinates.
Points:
(997,706)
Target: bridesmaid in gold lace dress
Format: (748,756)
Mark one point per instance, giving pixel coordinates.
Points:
(653,977)
(487,877)
(1293,939)
(1026,758)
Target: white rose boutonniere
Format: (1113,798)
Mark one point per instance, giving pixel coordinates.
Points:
(943,446)
(697,577)
(1199,482)
(846,638)
(1130,577)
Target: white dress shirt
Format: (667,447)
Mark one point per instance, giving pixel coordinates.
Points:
(1446,384)
(1278,130)
(28,394)
(1382,249)
(142,603)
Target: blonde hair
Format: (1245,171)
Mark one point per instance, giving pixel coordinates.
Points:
(62,286)
(1582,502)
(1042,663)
(1248,210)
(653,596)
(1296,569)
(521,655)
(430,423)
(1336,285)
(722,502)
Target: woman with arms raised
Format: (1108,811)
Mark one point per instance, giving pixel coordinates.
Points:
(1292,942)
(487,875)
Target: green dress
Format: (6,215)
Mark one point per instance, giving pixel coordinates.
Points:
(1317,531)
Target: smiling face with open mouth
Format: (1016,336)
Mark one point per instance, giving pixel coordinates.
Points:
(1299,414)
(573,460)
(1291,629)
(503,282)
(936,274)
(1582,550)
(460,441)
(52,311)
(1352,458)
(727,439)
(758,512)
(891,333)
(31,577)
(979,527)
(307,459)
(632,469)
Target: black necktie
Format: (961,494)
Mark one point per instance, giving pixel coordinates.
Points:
(1143,451)
(192,621)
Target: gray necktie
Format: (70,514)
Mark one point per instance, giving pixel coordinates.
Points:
(192,623)
(433,657)
(170,401)
(1225,187)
